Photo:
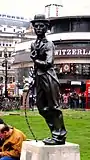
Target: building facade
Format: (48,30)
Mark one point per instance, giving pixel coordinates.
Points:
(12,31)
(71,37)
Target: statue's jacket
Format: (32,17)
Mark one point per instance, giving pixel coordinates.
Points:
(44,58)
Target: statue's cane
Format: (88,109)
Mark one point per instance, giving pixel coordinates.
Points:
(30,129)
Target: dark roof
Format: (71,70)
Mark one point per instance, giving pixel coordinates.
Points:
(22,57)
(11,22)
(68,17)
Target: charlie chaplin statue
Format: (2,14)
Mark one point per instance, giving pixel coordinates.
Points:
(47,83)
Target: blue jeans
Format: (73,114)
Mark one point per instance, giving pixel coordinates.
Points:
(8,158)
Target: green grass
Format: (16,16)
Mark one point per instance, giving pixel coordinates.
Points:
(77,124)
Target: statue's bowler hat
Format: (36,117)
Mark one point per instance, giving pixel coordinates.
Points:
(40,18)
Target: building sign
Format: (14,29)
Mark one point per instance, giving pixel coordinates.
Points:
(72,52)
(66,67)
(53,10)
(75,82)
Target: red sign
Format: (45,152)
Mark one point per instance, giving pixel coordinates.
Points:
(88,94)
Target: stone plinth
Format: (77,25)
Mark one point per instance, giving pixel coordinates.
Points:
(32,150)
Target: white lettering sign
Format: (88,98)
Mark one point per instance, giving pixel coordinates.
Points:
(72,52)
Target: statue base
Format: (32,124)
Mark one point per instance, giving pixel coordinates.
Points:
(32,150)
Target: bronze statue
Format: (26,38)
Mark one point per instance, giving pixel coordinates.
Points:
(47,83)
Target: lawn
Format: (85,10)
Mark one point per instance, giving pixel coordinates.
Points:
(77,124)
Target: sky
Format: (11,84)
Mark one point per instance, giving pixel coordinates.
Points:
(28,8)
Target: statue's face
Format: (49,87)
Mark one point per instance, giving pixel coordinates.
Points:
(40,28)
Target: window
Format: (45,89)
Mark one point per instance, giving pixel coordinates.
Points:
(22,17)
(13,17)
(4,29)
(72,44)
(3,15)
(79,26)
(9,79)
(13,79)
(14,30)
(0,54)
(9,54)
(60,27)
(1,79)
(86,69)
(70,25)
(8,16)
(78,69)
(18,17)
(9,67)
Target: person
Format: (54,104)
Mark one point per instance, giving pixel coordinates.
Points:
(46,81)
(26,84)
(1,139)
(83,100)
(12,142)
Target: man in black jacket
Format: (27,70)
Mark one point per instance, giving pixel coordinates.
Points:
(47,83)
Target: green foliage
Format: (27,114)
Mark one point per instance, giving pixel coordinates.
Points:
(77,124)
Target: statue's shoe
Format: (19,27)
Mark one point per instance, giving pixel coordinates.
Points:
(54,141)
(61,133)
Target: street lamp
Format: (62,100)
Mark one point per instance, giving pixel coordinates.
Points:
(20,35)
(4,64)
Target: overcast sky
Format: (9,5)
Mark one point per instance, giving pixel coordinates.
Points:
(28,8)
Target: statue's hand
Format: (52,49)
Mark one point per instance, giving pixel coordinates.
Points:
(33,56)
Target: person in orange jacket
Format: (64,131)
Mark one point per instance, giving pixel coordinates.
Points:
(12,144)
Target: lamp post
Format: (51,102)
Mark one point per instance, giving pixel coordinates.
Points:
(6,91)
(4,64)
(20,35)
